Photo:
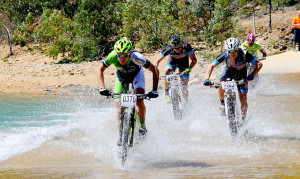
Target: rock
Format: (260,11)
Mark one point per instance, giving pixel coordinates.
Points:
(283,48)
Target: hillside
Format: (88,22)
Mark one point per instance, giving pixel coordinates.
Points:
(30,72)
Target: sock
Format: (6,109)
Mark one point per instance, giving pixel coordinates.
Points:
(166,92)
(222,101)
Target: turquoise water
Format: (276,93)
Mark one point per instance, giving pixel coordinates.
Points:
(26,122)
(37,111)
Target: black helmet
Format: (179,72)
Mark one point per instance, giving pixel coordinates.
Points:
(176,40)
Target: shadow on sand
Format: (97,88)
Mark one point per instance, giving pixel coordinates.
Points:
(178,164)
(272,138)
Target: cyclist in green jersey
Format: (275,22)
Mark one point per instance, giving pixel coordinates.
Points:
(129,65)
(252,47)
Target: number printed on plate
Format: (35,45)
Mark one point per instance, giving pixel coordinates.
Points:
(229,85)
(171,78)
(128,100)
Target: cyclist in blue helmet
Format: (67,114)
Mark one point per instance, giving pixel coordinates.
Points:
(180,52)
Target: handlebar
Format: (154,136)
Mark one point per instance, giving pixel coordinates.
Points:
(261,59)
(164,76)
(139,96)
(217,85)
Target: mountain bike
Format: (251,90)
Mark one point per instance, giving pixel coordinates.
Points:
(176,91)
(128,120)
(232,104)
(250,69)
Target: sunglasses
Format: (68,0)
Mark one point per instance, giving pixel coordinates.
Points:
(177,47)
(122,55)
(232,51)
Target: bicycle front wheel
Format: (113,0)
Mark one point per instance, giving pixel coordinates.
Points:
(176,103)
(231,116)
(127,133)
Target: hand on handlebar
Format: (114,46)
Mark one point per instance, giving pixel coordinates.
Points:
(250,77)
(187,71)
(207,82)
(104,92)
(153,94)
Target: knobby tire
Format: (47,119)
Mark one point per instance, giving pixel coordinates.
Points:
(175,99)
(231,116)
(128,131)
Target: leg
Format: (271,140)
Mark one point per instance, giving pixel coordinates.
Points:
(141,106)
(118,107)
(167,72)
(118,89)
(221,91)
(184,83)
(226,74)
(139,88)
(244,104)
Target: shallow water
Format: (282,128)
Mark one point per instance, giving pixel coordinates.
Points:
(76,137)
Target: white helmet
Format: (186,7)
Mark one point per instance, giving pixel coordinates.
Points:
(232,44)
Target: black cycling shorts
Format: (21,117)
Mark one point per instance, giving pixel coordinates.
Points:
(237,75)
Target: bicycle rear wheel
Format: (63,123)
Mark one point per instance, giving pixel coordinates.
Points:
(176,103)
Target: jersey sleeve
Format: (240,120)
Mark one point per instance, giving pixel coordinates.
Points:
(139,59)
(166,51)
(250,59)
(259,47)
(245,44)
(220,58)
(188,48)
(110,58)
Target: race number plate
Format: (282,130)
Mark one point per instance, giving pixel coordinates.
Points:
(171,78)
(228,85)
(128,100)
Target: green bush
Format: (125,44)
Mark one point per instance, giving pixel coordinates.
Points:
(222,25)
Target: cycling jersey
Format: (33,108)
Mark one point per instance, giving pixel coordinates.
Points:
(178,60)
(237,71)
(127,73)
(252,50)
(185,51)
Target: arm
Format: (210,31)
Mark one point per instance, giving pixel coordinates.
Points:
(100,75)
(154,71)
(157,61)
(194,60)
(264,53)
(209,70)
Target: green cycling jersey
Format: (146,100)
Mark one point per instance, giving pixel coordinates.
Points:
(252,50)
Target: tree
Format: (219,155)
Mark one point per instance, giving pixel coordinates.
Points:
(222,25)
(253,6)
(5,23)
(270,11)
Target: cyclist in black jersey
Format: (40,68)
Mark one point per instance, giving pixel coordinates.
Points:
(236,68)
(180,52)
